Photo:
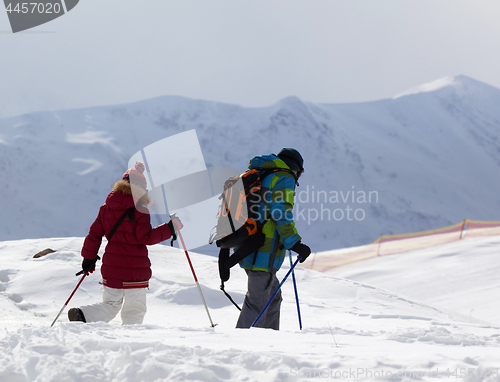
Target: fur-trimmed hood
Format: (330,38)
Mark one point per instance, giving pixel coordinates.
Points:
(123,186)
(122,198)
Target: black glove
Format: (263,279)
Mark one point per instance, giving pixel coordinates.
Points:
(174,227)
(88,266)
(303,250)
(172,231)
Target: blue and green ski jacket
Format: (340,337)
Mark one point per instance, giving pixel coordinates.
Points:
(278,189)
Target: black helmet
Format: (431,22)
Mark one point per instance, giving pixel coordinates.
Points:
(292,158)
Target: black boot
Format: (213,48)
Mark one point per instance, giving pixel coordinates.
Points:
(76,314)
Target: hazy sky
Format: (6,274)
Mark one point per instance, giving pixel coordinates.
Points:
(252,52)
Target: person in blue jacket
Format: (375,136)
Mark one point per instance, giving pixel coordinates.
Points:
(275,211)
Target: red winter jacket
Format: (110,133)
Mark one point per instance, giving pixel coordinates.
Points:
(125,263)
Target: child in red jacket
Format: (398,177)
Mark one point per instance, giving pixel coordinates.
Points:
(126,268)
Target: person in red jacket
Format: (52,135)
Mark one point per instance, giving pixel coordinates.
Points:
(126,268)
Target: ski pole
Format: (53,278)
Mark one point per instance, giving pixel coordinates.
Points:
(275,293)
(194,274)
(67,302)
(296,293)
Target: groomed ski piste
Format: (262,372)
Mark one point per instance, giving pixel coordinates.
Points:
(425,315)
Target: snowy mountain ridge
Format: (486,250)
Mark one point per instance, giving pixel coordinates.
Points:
(432,158)
(461,85)
(430,86)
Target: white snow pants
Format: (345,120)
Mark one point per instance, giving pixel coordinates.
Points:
(133,311)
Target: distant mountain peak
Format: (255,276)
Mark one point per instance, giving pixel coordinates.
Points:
(460,83)
(291,100)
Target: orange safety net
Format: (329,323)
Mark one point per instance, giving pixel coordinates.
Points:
(392,244)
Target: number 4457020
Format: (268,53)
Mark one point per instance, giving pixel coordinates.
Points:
(34,8)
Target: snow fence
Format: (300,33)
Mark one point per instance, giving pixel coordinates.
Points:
(392,244)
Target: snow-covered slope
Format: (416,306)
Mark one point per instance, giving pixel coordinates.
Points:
(443,272)
(425,159)
(352,330)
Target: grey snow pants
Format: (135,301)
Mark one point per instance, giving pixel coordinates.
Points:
(261,286)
